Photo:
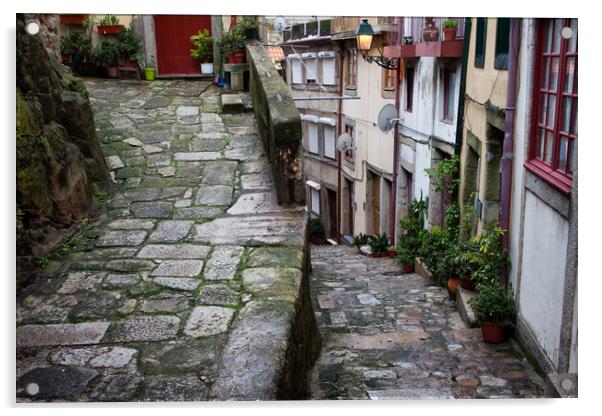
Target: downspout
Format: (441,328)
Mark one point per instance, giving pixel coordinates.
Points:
(462,94)
(339,155)
(393,198)
(508,146)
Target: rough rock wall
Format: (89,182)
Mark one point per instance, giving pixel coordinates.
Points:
(59,161)
(278,123)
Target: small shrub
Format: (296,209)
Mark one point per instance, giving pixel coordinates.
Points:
(202,46)
(360,240)
(494,303)
(450,24)
(379,243)
(412,228)
(316,230)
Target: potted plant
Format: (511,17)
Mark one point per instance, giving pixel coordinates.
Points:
(379,244)
(411,234)
(495,310)
(391,251)
(149,70)
(75,48)
(107,54)
(450,27)
(232,44)
(317,234)
(430,32)
(248,25)
(128,47)
(203,50)
(360,240)
(109,25)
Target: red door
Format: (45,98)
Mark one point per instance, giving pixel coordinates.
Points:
(172,34)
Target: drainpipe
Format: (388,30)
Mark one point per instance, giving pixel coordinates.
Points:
(393,197)
(509,138)
(462,94)
(340,156)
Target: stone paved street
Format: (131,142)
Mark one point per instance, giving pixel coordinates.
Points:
(142,305)
(391,336)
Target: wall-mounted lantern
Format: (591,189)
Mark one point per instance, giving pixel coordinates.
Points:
(363,36)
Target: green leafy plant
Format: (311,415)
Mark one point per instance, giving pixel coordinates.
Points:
(232,41)
(316,229)
(20,214)
(444,176)
(494,303)
(360,240)
(379,243)
(109,20)
(42,262)
(106,53)
(450,24)
(248,22)
(76,42)
(412,228)
(128,45)
(202,46)
(68,245)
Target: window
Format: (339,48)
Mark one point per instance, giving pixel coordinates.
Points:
(351,68)
(328,60)
(481,40)
(502,43)
(449,94)
(349,151)
(296,69)
(315,200)
(389,76)
(311,67)
(312,134)
(554,129)
(329,135)
(409,98)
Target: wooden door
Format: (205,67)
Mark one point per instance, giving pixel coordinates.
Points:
(375,204)
(332,214)
(172,35)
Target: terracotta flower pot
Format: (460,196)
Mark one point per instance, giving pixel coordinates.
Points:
(113,72)
(407,267)
(467,283)
(449,33)
(72,19)
(493,333)
(452,286)
(109,29)
(391,254)
(236,57)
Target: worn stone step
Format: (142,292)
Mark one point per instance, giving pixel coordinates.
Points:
(464,309)
(232,104)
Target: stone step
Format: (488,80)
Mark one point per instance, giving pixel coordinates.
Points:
(464,309)
(232,104)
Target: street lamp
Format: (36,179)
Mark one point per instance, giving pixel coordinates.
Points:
(363,36)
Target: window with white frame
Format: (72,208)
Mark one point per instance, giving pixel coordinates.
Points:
(315,200)
(328,60)
(296,69)
(313,144)
(328,129)
(311,67)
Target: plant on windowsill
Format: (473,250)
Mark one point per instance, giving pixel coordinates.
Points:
(109,25)
(379,244)
(495,310)
(430,32)
(450,27)
(411,235)
(232,44)
(202,50)
(360,240)
(317,233)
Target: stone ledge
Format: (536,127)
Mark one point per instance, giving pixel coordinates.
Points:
(464,309)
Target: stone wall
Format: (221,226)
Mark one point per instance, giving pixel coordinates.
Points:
(58,154)
(278,123)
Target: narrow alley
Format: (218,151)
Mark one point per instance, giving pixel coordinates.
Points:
(387,335)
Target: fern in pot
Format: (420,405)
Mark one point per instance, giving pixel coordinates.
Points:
(495,310)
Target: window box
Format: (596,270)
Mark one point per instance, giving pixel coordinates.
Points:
(109,29)
(73,19)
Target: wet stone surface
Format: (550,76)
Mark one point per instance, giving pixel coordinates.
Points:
(144,309)
(393,336)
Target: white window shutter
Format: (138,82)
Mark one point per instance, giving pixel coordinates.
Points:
(329,142)
(315,201)
(296,71)
(311,67)
(312,129)
(328,67)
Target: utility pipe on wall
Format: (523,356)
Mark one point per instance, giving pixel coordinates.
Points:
(339,154)
(508,146)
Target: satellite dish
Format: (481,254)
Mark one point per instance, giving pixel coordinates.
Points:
(343,142)
(387,118)
(279,24)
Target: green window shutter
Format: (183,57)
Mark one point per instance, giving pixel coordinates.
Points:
(502,43)
(481,40)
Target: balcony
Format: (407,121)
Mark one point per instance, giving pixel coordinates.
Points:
(413,44)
